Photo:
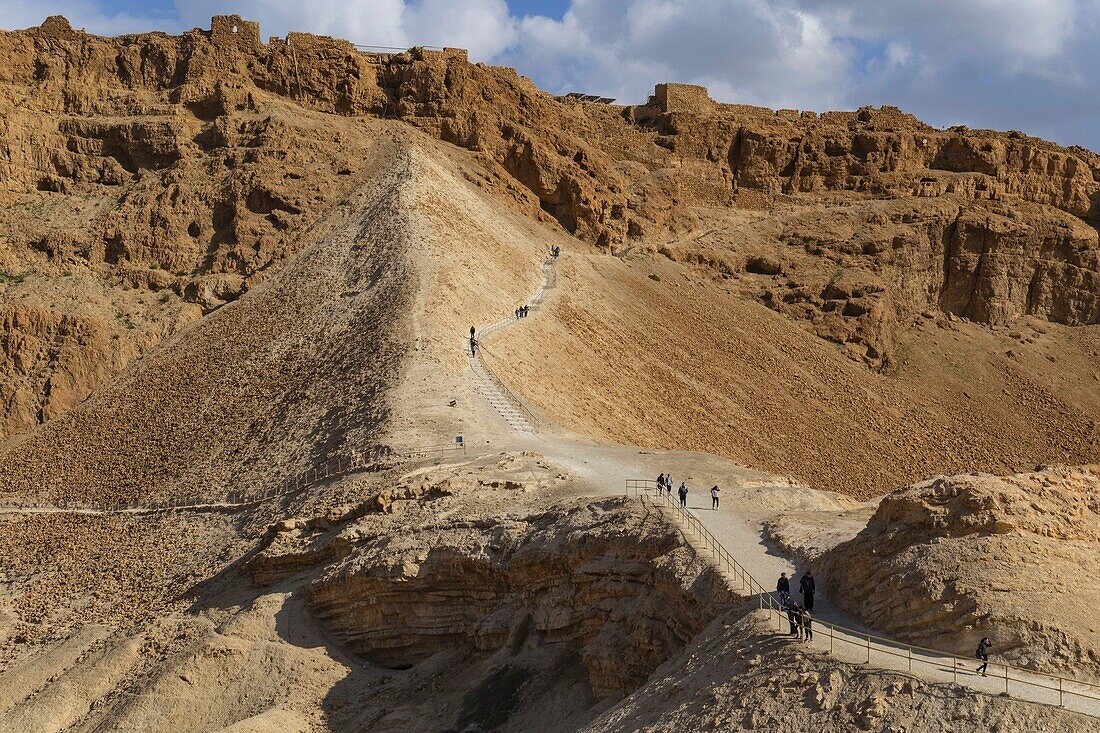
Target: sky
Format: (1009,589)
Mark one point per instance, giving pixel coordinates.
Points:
(1028,65)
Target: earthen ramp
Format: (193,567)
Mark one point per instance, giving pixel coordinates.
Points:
(291,373)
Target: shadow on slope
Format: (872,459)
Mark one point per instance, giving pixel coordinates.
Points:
(294,372)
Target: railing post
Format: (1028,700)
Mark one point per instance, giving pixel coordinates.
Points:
(832,633)
(910,650)
(868,648)
(1006,679)
(955,670)
(1061,700)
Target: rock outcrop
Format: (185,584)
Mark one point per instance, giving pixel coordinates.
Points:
(604,578)
(950,560)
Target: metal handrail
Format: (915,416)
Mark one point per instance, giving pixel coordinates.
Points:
(647,488)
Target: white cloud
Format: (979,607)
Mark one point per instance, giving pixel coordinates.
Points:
(750,50)
(89,14)
(485,27)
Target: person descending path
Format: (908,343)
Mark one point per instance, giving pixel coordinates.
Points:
(714,496)
(807,587)
(668,484)
(783,588)
(683,494)
(473,342)
(660,484)
(807,624)
(983,654)
(792,618)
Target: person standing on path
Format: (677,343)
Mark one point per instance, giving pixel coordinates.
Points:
(807,625)
(714,496)
(683,495)
(660,484)
(983,654)
(807,587)
(473,346)
(783,588)
(792,618)
(668,484)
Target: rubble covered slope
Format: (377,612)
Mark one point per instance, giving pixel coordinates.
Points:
(150,179)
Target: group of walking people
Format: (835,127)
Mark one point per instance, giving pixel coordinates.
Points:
(799,615)
(521,312)
(664,484)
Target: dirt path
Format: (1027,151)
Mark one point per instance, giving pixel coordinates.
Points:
(748,498)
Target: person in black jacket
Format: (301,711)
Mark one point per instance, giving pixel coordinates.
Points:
(792,616)
(783,588)
(983,654)
(807,587)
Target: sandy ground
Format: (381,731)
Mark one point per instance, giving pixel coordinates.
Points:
(664,355)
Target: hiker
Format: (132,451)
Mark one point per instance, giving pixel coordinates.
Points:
(524,310)
(983,654)
(668,484)
(797,610)
(660,484)
(783,588)
(516,312)
(473,346)
(473,332)
(714,496)
(807,587)
(683,495)
(792,618)
(807,625)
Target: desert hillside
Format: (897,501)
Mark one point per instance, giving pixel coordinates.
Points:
(227,265)
(951,268)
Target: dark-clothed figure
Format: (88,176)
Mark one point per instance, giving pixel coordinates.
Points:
(683,495)
(783,588)
(792,617)
(983,654)
(807,587)
(807,625)
(714,497)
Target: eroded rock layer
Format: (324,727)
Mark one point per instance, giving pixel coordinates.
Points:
(950,560)
(605,578)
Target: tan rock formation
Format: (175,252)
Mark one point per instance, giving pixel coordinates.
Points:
(947,561)
(604,578)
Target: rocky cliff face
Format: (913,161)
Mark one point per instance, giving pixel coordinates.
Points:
(607,580)
(189,165)
(145,180)
(950,560)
